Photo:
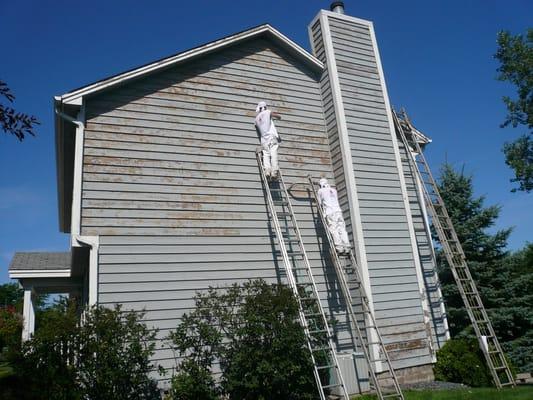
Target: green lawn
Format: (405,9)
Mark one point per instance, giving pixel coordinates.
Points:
(518,393)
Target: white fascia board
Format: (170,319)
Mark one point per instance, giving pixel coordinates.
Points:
(41,273)
(76,96)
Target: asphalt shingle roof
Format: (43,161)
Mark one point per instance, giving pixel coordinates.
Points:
(40,261)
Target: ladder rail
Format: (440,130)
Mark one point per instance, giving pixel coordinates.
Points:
(293,282)
(456,258)
(367,312)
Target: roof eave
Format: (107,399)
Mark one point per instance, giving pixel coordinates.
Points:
(76,97)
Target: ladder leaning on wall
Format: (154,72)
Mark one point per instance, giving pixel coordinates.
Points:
(300,279)
(384,384)
(455,256)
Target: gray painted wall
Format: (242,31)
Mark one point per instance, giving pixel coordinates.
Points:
(388,248)
(425,251)
(171,183)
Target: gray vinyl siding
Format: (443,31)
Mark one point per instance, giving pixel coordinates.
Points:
(391,266)
(331,125)
(427,260)
(171,183)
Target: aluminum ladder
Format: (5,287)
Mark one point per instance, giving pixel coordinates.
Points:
(349,277)
(300,279)
(496,362)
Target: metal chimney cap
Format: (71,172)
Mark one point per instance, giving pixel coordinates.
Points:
(337,6)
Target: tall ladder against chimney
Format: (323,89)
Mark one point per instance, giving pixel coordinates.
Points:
(300,279)
(455,256)
(385,384)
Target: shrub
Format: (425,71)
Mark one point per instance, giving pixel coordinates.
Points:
(46,362)
(462,361)
(193,382)
(10,331)
(107,357)
(254,334)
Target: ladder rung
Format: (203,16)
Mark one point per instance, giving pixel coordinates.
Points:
(321,367)
(295,253)
(386,396)
(312,314)
(332,385)
(292,240)
(318,331)
(320,348)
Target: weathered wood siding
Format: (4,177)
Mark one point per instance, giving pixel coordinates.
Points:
(171,183)
(425,251)
(395,287)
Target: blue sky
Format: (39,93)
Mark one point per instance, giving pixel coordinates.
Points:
(437,58)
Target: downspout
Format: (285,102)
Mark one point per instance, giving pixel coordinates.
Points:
(76,239)
(78,161)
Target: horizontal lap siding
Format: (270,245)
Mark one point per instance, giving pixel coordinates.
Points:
(393,278)
(171,183)
(427,260)
(331,125)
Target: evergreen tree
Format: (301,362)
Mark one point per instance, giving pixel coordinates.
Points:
(513,318)
(505,281)
(515,54)
(485,252)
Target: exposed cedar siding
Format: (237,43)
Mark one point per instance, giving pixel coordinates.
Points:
(171,183)
(391,265)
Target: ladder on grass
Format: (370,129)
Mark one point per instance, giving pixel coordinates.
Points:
(384,384)
(300,278)
(455,256)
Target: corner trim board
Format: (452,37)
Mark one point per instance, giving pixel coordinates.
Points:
(351,187)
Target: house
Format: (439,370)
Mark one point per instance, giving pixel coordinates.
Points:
(159,187)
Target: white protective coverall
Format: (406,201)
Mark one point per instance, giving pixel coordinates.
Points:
(328,200)
(269,139)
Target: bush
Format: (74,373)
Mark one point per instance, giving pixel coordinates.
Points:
(254,334)
(193,382)
(10,331)
(105,358)
(462,361)
(46,362)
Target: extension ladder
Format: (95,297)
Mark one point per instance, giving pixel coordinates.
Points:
(300,278)
(455,256)
(349,277)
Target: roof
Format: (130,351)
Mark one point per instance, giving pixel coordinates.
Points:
(54,264)
(74,96)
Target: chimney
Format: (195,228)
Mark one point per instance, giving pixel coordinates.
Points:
(337,7)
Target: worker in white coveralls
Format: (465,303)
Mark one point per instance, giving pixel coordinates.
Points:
(328,200)
(269,139)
